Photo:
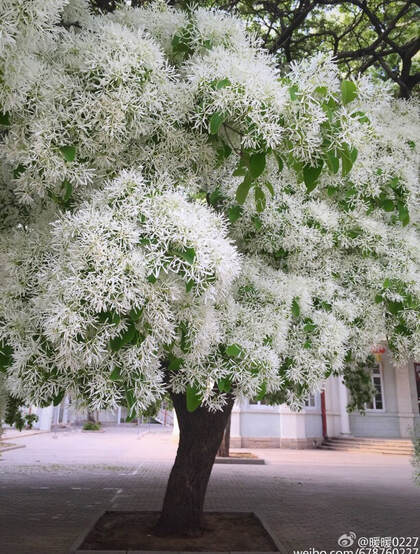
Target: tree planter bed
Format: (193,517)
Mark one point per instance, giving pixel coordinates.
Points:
(130,532)
(6,446)
(238,459)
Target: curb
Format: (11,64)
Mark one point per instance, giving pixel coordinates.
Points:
(75,549)
(12,447)
(242,461)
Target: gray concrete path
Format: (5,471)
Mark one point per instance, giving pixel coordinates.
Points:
(51,490)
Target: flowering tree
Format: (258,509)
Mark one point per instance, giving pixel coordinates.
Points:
(178,217)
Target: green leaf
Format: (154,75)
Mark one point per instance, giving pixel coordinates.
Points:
(403,214)
(188,255)
(215,121)
(17,172)
(174,362)
(387,283)
(394,307)
(240,172)
(130,416)
(362,117)
(223,83)
(115,374)
(348,157)
(295,306)
(6,356)
(311,175)
(402,329)
(56,400)
(256,164)
(189,285)
(260,201)
(321,91)
(279,160)
(68,190)
(333,162)
(130,401)
(130,335)
(234,213)
(348,91)
(309,327)
(270,188)
(215,197)
(224,385)
(387,205)
(180,44)
(152,278)
(111,316)
(256,220)
(378,298)
(193,398)
(68,152)
(4,119)
(394,184)
(243,190)
(307,344)
(233,350)
(223,152)
(136,313)
(262,392)
(293,92)
(184,343)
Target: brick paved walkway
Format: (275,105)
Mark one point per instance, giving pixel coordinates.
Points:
(51,490)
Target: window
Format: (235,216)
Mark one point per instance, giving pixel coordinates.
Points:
(310,402)
(254,402)
(417,370)
(377,402)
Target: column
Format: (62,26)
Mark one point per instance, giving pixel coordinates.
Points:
(343,400)
(45,418)
(235,425)
(175,430)
(66,403)
(405,396)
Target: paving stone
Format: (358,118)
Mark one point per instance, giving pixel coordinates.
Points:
(307,498)
(100,552)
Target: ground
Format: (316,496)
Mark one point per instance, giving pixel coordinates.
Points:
(51,490)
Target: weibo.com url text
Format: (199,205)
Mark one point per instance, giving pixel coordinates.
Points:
(362,550)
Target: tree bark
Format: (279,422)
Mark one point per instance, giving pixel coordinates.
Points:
(224,446)
(200,433)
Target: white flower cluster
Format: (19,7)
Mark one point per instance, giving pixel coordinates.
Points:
(150,154)
(128,276)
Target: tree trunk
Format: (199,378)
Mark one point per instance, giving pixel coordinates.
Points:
(200,433)
(224,446)
(91,417)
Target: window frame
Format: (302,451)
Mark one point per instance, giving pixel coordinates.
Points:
(377,371)
(308,406)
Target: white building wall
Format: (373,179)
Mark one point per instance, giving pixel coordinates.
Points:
(399,413)
(262,426)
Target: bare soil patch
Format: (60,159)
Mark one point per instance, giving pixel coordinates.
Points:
(225,532)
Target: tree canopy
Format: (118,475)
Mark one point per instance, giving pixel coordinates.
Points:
(178,214)
(378,37)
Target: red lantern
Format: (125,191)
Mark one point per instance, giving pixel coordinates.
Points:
(377,350)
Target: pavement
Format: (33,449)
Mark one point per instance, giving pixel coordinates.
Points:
(53,489)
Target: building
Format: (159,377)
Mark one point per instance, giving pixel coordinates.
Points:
(392,413)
